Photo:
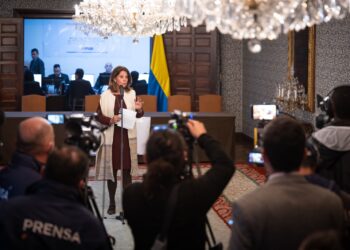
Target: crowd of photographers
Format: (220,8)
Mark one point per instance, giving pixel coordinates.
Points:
(303,205)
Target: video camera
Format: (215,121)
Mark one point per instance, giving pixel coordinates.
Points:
(178,120)
(326,115)
(264,112)
(81,131)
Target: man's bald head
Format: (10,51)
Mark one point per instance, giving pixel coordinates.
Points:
(35,136)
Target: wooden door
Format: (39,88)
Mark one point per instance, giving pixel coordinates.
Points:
(192,62)
(11,63)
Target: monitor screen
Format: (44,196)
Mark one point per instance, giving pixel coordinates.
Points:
(143,76)
(37,78)
(77,49)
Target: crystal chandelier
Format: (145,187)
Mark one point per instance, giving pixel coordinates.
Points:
(134,18)
(291,95)
(260,19)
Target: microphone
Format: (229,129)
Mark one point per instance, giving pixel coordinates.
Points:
(121,90)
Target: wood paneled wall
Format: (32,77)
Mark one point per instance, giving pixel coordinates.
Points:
(11,63)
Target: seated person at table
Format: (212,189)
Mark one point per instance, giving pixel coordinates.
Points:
(77,90)
(59,79)
(103,78)
(30,86)
(140,87)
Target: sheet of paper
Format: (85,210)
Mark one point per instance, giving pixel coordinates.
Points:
(143,126)
(129,119)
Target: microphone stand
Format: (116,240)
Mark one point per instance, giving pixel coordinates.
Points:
(121,214)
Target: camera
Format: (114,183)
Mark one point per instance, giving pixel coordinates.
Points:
(326,115)
(256,158)
(264,112)
(178,120)
(81,131)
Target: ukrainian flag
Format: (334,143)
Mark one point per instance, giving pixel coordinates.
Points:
(159,81)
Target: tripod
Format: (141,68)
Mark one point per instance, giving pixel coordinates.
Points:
(89,200)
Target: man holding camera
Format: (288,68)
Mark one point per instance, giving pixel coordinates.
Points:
(333,141)
(52,215)
(35,140)
(281,213)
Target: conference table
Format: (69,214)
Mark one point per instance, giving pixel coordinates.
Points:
(220,125)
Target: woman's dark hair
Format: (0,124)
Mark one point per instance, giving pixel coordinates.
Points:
(165,151)
(116,71)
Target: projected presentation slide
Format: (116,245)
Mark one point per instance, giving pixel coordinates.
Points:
(60,41)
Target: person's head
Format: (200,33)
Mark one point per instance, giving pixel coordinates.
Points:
(36,137)
(108,67)
(68,165)
(322,240)
(134,76)
(120,76)
(283,144)
(57,70)
(79,74)
(340,102)
(35,53)
(28,76)
(165,157)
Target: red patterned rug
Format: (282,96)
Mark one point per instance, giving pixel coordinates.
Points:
(222,206)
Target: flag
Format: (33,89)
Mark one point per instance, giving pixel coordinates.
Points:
(159,80)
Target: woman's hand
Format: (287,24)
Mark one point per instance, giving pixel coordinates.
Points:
(138,103)
(196,128)
(115,119)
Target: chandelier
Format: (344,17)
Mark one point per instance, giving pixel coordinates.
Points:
(134,18)
(290,95)
(257,20)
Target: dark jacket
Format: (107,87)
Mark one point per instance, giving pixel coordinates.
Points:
(20,174)
(37,67)
(195,197)
(77,90)
(140,87)
(51,216)
(63,78)
(32,88)
(102,80)
(333,143)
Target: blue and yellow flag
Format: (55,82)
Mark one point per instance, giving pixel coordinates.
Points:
(159,81)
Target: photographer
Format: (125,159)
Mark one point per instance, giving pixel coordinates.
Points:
(52,215)
(35,140)
(333,141)
(145,203)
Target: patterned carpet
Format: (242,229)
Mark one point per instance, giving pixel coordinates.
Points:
(245,179)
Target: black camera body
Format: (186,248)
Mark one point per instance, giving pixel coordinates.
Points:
(81,131)
(326,115)
(178,122)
